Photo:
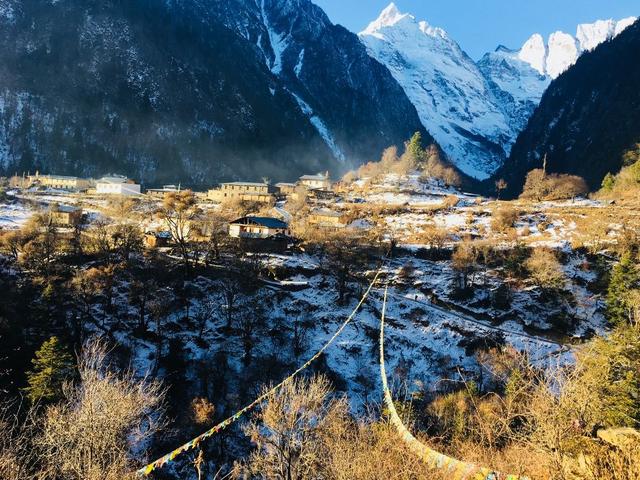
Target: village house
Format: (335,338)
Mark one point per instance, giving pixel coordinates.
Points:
(257,227)
(65,215)
(160,192)
(325,218)
(284,189)
(61,182)
(157,239)
(321,181)
(318,194)
(117,185)
(245,191)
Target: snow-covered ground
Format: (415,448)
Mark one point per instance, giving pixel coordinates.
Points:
(415,204)
(431,337)
(425,345)
(14,214)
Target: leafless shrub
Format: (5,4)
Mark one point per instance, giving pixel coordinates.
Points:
(545,269)
(304,433)
(17,458)
(504,219)
(104,417)
(288,431)
(540,185)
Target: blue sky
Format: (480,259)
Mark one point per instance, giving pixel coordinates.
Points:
(481,25)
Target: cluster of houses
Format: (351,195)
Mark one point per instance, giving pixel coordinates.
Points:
(255,232)
(263,192)
(260,192)
(107,185)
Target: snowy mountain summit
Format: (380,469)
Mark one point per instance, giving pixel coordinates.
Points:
(562,50)
(475,110)
(469,116)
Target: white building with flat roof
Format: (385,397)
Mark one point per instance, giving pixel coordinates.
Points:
(117,185)
(321,181)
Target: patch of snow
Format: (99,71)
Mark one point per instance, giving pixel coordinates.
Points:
(298,68)
(7,12)
(14,215)
(278,42)
(321,127)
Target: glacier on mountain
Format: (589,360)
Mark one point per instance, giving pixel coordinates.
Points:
(475,110)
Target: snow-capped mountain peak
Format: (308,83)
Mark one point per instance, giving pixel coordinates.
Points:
(623,24)
(475,110)
(389,17)
(534,52)
(590,35)
(456,102)
(562,53)
(562,50)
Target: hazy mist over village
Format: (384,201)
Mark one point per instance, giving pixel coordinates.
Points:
(239,240)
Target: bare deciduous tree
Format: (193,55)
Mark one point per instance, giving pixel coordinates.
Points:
(17,456)
(103,419)
(464,261)
(179,210)
(287,432)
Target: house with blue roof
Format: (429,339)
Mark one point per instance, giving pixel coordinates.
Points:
(257,227)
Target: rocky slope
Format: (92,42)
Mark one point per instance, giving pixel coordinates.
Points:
(587,119)
(196,92)
(475,110)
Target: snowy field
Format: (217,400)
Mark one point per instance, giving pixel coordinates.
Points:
(430,338)
(14,215)
(426,344)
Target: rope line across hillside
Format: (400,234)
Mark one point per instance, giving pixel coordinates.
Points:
(458,470)
(169,457)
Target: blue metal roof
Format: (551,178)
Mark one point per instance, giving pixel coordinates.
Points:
(268,222)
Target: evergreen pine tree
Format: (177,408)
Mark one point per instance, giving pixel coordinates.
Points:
(608,182)
(625,277)
(414,147)
(608,377)
(52,365)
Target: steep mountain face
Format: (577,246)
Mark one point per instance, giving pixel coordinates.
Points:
(329,74)
(475,110)
(587,118)
(515,86)
(446,87)
(190,91)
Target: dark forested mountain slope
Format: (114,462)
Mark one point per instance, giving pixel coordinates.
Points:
(191,91)
(587,118)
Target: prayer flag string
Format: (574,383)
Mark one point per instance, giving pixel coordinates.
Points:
(458,470)
(171,456)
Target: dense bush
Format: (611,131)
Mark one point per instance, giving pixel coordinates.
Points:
(540,185)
